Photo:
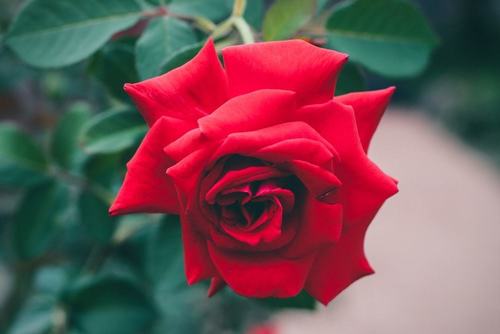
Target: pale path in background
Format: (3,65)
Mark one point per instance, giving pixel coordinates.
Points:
(435,245)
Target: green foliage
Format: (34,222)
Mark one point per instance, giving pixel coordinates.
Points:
(181,57)
(49,33)
(114,65)
(286,17)
(84,271)
(302,301)
(22,162)
(109,305)
(38,219)
(389,37)
(36,317)
(214,10)
(351,80)
(64,142)
(112,131)
(162,41)
(94,216)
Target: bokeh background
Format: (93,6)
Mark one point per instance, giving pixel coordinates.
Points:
(435,246)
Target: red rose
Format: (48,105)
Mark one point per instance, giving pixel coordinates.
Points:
(266,169)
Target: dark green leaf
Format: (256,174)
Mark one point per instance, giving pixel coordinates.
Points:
(114,66)
(301,301)
(95,218)
(22,163)
(113,131)
(105,169)
(64,145)
(36,316)
(254,13)
(109,305)
(215,10)
(164,260)
(162,40)
(50,33)
(182,311)
(286,17)
(351,80)
(390,37)
(37,219)
(181,57)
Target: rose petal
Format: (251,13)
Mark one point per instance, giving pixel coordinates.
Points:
(368,109)
(146,187)
(186,173)
(364,186)
(292,65)
(271,188)
(252,111)
(321,183)
(216,284)
(321,225)
(183,92)
(266,229)
(279,143)
(261,275)
(338,266)
(197,263)
(185,145)
(234,178)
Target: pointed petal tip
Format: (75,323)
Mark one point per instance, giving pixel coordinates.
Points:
(389,91)
(216,284)
(114,210)
(325,300)
(129,88)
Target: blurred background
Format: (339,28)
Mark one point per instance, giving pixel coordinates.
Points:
(435,245)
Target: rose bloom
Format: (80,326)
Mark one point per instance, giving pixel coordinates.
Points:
(266,168)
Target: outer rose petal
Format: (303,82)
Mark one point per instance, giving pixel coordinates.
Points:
(336,267)
(216,284)
(292,65)
(259,275)
(183,92)
(197,263)
(364,186)
(368,109)
(146,187)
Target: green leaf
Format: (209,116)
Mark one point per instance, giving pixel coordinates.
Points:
(114,65)
(163,38)
(52,33)
(95,218)
(286,17)
(389,37)
(254,13)
(301,301)
(351,80)
(109,305)
(64,144)
(22,162)
(106,170)
(164,260)
(215,10)
(37,219)
(181,57)
(36,316)
(113,131)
